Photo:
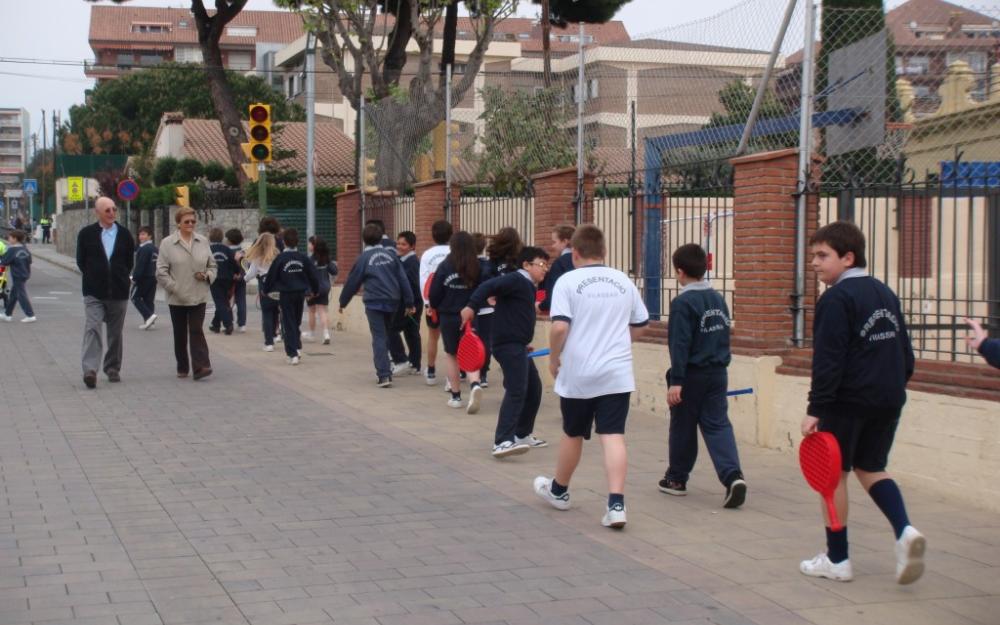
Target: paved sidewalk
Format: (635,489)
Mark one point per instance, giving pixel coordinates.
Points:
(277,495)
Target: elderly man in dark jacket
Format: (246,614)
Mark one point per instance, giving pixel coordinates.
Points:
(104,254)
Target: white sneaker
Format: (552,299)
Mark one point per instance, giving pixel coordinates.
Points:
(614,517)
(430,378)
(277,339)
(148,323)
(269,348)
(475,394)
(543,488)
(307,335)
(509,448)
(326,337)
(294,360)
(531,441)
(910,555)
(242,330)
(820,566)
(455,402)
(4,317)
(400,367)
(31,319)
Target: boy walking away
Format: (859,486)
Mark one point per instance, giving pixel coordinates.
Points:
(17,260)
(596,314)
(381,274)
(407,326)
(144,278)
(862,359)
(234,239)
(225,260)
(561,238)
(980,342)
(292,276)
(698,332)
(514,314)
(441,232)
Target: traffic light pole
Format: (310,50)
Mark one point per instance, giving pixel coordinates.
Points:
(262,188)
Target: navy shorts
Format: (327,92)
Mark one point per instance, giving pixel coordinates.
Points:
(434,325)
(451,331)
(608,412)
(864,441)
(322,299)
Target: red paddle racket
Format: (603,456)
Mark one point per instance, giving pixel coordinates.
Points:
(471,352)
(819,457)
(427,298)
(540,296)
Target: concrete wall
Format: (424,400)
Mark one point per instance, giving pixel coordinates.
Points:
(947,445)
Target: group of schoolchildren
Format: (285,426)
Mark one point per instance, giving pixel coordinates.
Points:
(862,356)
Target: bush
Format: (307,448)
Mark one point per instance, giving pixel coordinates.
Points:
(291,197)
(214,171)
(188,170)
(163,172)
(229,177)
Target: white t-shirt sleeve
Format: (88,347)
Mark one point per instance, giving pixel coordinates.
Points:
(561,308)
(640,316)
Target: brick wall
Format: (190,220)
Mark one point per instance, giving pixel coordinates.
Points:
(348,231)
(554,195)
(428,200)
(915,227)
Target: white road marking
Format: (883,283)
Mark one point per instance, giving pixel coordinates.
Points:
(60,292)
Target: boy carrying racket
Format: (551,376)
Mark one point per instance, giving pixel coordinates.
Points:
(862,359)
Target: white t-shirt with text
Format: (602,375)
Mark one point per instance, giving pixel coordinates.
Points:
(600,304)
(429,262)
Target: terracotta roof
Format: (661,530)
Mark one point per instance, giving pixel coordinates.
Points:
(662,44)
(203,141)
(114,24)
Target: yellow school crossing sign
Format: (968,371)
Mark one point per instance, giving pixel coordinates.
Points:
(75,193)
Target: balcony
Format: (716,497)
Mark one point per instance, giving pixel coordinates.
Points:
(96,69)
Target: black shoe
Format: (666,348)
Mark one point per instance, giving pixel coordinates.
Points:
(90,379)
(385,381)
(202,373)
(462,375)
(113,376)
(673,487)
(228,331)
(213,329)
(736,492)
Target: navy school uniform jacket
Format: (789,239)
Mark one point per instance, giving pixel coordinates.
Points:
(862,356)
(380,272)
(697,331)
(291,271)
(324,273)
(990,349)
(411,267)
(449,294)
(17,259)
(225,261)
(560,266)
(514,312)
(145,262)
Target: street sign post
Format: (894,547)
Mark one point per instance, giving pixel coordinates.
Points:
(30,186)
(128,190)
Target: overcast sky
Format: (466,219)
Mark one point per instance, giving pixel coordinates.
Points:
(56,30)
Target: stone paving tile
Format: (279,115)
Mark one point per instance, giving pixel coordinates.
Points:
(292,500)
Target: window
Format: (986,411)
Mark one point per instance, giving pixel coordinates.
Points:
(592,92)
(921,91)
(150,59)
(459,68)
(187,54)
(150,28)
(124,60)
(240,61)
(916,65)
(524,35)
(241,31)
(976,60)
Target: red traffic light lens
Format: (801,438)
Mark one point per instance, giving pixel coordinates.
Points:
(259,114)
(259,133)
(260,152)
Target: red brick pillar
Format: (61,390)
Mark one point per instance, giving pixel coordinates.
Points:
(915,228)
(428,207)
(764,251)
(348,231)
(554,194)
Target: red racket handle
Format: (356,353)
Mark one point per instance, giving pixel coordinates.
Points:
(831,510)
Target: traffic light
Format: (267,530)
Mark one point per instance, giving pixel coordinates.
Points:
(183,196)
(369,176)
(260,133)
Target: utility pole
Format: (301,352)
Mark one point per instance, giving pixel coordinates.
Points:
(55,142)
(45,140)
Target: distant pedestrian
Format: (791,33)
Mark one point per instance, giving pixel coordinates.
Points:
(46,225)
(226,269)
(319,304)
(260,256)
(596,314)
(17,260)
(234,239)
(105,256)
(185,268)
(293,278)
(562,262)
(144,278)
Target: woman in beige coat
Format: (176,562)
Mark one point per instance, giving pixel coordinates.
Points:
(184,269)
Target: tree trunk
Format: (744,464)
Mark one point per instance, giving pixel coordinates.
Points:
(399,129)
(546,47)
(209,33)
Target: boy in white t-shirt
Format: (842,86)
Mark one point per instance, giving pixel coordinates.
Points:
(441,233)
(596,314)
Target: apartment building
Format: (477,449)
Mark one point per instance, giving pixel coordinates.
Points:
(125,38)
(15,134)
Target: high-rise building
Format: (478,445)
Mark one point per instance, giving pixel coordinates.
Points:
(15,132)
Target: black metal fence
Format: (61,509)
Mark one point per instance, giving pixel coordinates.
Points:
(937,245)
